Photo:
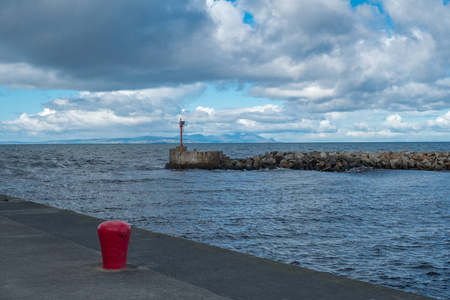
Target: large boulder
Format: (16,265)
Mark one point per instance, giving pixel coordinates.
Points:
(285,163)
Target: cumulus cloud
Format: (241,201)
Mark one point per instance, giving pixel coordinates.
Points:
(137,111)
(297,91)
(52,121)
(74,121)
(394,122)
(441,123)
(265,120)
(430,125)
(143,59)
(362,126)
(383,134)
(146,112)
(130,101)
(25,76)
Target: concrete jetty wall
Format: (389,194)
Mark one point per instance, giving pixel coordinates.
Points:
(343,161)
(180,158)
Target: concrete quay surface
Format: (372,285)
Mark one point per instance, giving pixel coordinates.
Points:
(48,253)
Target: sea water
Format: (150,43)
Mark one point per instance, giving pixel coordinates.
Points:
(387,227)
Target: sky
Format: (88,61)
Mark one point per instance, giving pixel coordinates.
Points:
(291,70)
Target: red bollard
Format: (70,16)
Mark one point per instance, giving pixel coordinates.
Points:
(114,238)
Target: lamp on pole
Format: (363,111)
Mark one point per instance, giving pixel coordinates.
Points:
(182,123)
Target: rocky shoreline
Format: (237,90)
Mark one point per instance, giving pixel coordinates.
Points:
(341,161)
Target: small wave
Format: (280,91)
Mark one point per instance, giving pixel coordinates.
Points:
(424,266)
(112,208)
(120,181)
(361,169)
(433,274)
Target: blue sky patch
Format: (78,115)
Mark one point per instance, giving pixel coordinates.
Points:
(248,18)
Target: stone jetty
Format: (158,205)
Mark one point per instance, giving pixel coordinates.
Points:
(341,161)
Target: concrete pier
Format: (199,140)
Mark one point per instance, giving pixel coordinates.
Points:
(180,158)
(48,253)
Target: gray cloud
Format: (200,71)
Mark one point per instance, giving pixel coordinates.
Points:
(318,56)
(101,45)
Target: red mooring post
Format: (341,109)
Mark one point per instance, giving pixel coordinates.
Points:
(181,133)
(114,239)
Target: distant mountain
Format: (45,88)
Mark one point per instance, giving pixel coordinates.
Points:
(227,138)
(193,138)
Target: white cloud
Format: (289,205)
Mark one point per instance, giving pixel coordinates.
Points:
(207,110)
(374,134)
(361,126)
(268,108)
(30,125)
(250,124)
(443,82)
(394,122)
(26,76)
(67,119)
(137,111)
(127,101)
(325,126)
(261,119)
(337,69)
(441,123)
(46,112)
(52,121)
(231,32)
(297,91)
(428,125)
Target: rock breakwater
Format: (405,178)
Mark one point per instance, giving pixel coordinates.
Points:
(342,161)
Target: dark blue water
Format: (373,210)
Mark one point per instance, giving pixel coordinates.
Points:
(388,227)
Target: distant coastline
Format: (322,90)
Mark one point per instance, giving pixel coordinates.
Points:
(193,138)
(237,138)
